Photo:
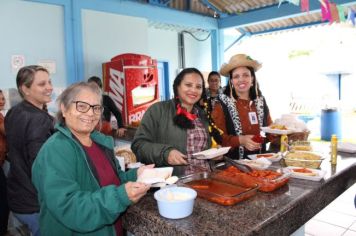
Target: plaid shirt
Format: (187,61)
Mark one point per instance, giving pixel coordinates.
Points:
(196,142)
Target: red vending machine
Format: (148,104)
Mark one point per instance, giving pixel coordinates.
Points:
(131,80)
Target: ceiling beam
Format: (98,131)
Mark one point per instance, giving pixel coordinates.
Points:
(151,12)
(211,6)
(272,13)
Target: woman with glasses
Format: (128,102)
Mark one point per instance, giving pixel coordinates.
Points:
(242,110)
(27,126)
(81,188)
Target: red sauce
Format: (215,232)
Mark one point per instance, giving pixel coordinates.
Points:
(217,187)
(266,179)
(219,192)
(303,170)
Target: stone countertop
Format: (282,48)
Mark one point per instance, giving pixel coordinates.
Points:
(277,213)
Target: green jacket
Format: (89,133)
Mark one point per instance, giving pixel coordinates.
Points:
(157,135)
(71,200)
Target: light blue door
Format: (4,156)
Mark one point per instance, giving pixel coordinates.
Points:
(163,80)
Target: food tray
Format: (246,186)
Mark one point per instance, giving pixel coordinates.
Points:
(277,178)
(258,164)
(315,164)
(301,146)
(304,159)
(317,175)
(217,191)
(273,157)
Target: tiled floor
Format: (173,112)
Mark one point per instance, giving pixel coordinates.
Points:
(338,218)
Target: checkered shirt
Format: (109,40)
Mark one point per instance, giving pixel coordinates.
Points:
(197,139)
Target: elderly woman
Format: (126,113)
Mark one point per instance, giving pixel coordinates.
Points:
(81,188)
(171,131)
(242,110)
(27,126)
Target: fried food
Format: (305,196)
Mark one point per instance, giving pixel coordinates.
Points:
(301,148)
(276,126)
(303,156)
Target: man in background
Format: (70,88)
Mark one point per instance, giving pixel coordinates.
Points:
(109,108)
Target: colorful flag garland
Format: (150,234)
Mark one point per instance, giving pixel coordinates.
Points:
(329,11)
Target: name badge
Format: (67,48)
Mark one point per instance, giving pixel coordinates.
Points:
(253,118)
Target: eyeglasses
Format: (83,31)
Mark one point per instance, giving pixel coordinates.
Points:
(84,107)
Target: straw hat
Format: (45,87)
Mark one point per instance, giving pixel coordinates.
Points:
(237,61)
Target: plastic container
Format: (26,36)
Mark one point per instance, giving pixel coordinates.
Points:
(330,124)
(303,159)
(217,191)
(314,164)
(175,202)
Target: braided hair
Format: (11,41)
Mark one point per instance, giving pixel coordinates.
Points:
(214,131)
(181,120)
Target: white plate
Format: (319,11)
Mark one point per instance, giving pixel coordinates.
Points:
(211,153)
(276,156)
(258,164)
(277,131)
(319,174)
(346,147)
(155,175)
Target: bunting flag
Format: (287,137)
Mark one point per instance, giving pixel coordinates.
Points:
(341,11)
(334,13)
(325,10)
(329,11)
(304,5)
(322,2)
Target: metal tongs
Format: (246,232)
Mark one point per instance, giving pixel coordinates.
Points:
(244,168)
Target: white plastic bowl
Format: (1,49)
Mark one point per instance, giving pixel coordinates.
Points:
(175,202)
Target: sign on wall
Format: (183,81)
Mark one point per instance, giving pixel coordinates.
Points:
(50,65)
(17,61)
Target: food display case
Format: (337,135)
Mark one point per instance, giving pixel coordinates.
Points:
(218,191)
(131,80)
